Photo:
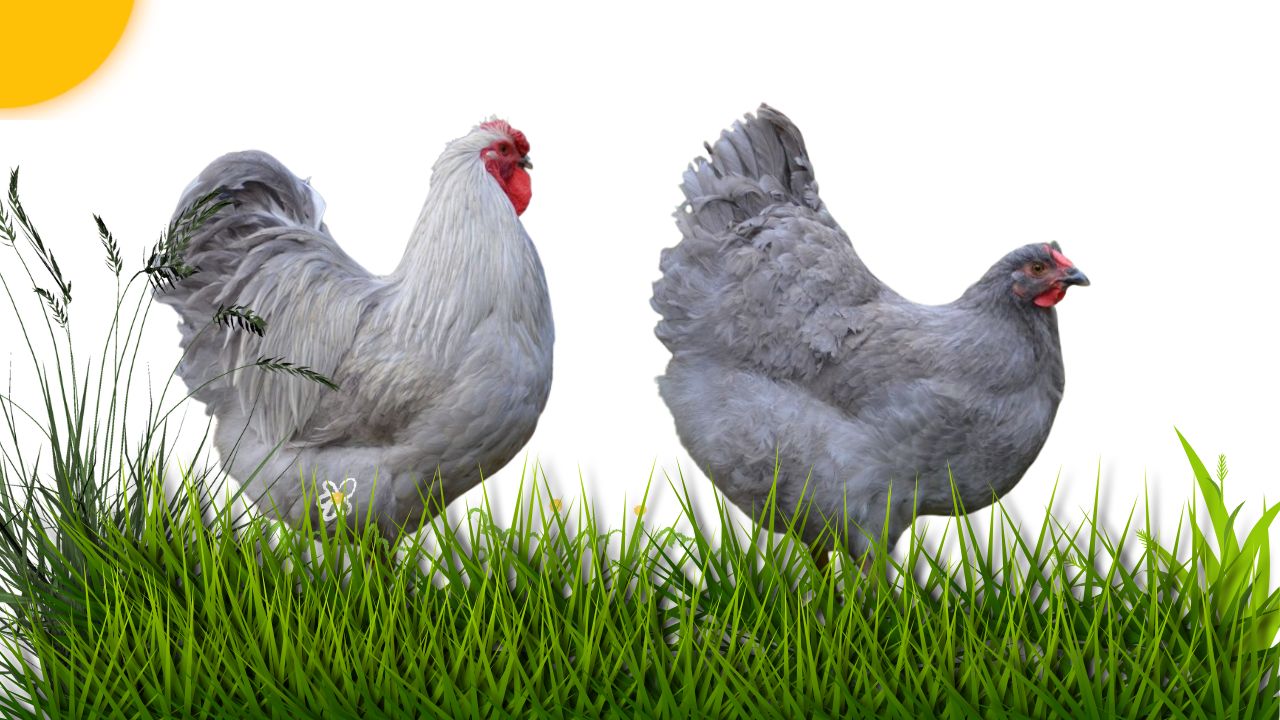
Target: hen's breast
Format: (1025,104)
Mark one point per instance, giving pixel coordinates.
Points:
(993,427)
(1015,428)
(941,393)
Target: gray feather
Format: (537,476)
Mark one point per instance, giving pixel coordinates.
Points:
(786,348)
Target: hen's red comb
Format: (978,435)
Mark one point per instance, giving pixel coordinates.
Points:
(1058,257)
(517,137)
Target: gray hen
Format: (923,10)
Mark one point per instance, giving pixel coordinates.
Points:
(444,365)
(787,349)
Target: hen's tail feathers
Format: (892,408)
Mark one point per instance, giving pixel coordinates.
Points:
(264,196)
(759,163)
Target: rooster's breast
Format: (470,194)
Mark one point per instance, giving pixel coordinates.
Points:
(481,410)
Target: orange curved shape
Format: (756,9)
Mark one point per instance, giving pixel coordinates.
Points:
(51,46)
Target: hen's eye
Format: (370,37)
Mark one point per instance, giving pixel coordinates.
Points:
(1037,268)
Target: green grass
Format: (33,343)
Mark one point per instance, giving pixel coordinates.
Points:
(125,601)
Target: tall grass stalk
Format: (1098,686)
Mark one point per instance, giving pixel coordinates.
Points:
(126,600)
(91,470)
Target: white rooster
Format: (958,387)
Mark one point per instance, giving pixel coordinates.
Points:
(443,366)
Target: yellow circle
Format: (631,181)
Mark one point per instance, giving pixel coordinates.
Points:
(50,46)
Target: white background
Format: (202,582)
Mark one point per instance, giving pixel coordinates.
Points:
(1144,137)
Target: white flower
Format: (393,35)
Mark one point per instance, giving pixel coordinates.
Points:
(337,497)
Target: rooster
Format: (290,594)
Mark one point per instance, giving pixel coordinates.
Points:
(788,353)
(442,367)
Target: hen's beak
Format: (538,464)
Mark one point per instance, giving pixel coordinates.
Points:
(525,163)
(1073,276)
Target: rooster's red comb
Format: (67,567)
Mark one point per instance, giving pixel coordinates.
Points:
(504,127)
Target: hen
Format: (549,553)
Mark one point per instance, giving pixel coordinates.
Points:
(443,366)
(788,352)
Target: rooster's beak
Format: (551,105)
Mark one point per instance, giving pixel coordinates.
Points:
(525,163)
(1073,276)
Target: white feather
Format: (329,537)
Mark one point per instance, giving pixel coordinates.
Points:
(444,365)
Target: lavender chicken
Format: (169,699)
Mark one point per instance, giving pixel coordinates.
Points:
(788,353)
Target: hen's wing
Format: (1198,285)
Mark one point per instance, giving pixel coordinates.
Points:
(269,251)
(763,278)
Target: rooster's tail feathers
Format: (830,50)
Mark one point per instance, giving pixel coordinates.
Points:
(266,200)
(261,188)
